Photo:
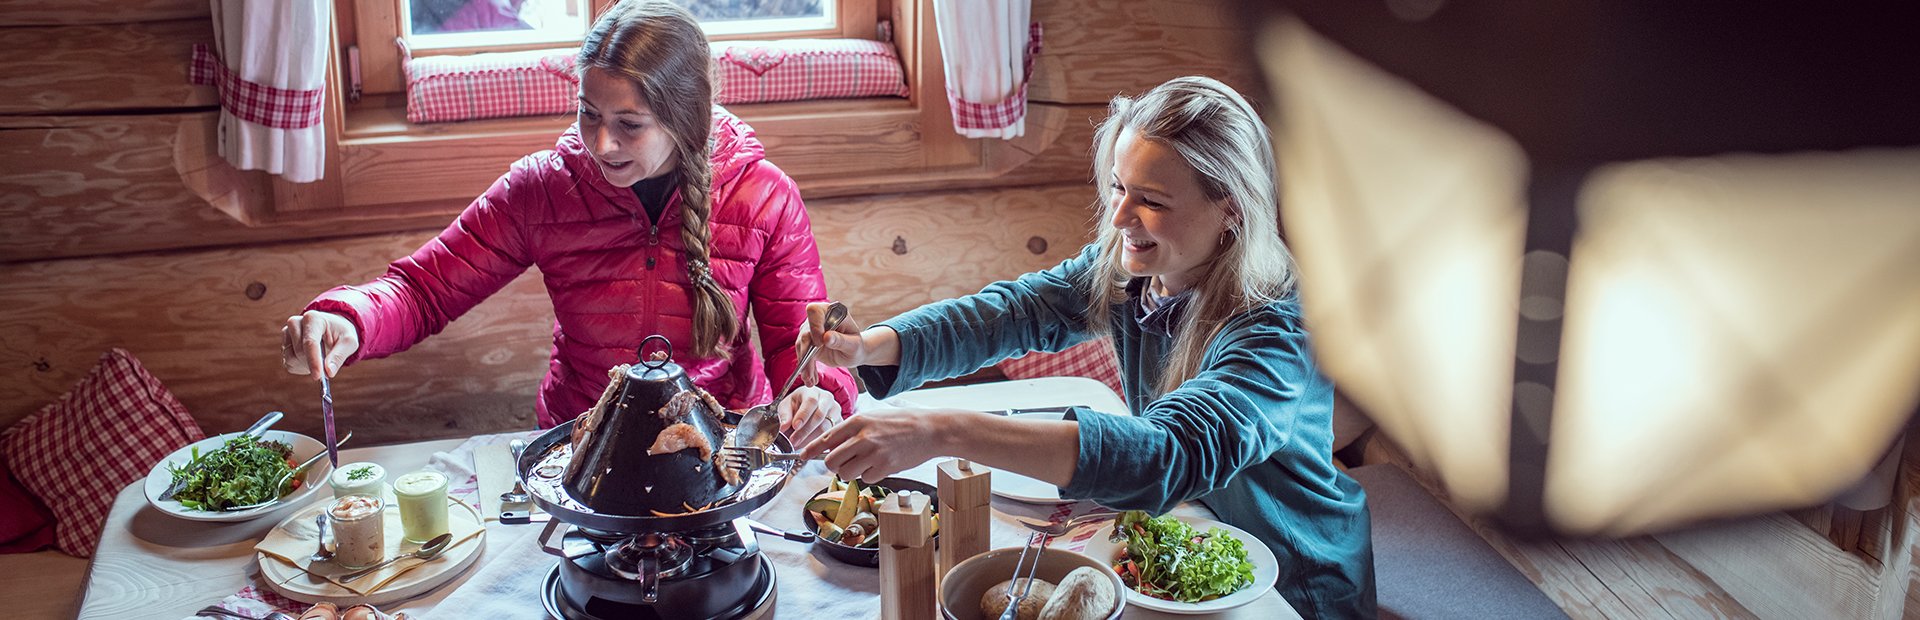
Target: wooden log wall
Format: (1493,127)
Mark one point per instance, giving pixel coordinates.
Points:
(207,322)
(125,229)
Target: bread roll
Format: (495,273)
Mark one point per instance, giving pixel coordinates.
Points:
(1086,594)
(994,602)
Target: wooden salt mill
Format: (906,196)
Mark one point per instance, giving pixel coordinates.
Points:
(966,505)
(906,558)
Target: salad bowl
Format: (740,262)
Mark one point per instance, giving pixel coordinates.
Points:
(1266,569)
(303,447)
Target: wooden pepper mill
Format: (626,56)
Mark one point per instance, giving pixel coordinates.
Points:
(906,558)
(966,505)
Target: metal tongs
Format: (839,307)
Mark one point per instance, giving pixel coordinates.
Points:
(750,445)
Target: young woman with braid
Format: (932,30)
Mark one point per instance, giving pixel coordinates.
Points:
(656,213)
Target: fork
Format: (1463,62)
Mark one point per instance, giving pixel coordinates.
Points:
(1037,543)
(217,611)
(1058,529)
(749,458)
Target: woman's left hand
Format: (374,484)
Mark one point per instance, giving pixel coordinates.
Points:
(872,445)
(807,412)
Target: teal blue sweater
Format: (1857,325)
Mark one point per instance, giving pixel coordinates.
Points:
(1250,437)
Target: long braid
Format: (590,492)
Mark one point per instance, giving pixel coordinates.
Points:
(714,321)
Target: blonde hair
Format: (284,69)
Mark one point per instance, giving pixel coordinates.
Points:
(660,47)
(1218,135)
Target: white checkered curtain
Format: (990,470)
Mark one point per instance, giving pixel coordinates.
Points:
(279,44)
(983,44)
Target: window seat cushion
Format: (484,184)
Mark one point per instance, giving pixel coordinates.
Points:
(1427,563)
(542,82)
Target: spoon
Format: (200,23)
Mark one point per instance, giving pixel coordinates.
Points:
(758,425)
(323,553)
(428,551)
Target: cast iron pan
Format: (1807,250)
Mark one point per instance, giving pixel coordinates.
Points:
(855,555)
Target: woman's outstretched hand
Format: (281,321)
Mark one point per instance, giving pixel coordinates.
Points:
(806,413)
(316,342)
(875,444)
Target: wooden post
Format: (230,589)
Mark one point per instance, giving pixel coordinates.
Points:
(906,558)
(966,504)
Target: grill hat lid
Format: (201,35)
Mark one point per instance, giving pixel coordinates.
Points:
(649,447)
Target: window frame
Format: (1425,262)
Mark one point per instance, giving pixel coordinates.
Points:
(381,166)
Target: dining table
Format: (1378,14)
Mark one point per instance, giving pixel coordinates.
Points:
(152,565)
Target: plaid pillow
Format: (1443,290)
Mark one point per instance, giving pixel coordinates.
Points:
(801,69)
(541,82)
(1094,359)
(107,432)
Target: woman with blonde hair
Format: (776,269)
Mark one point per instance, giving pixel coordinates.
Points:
(1190,277)
(656,213)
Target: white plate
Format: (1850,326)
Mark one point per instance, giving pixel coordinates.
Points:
(304,447)
(1266,569)
(1021,488)
(298,585)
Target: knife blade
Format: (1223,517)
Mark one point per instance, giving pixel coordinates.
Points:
(258,429)
(326,415)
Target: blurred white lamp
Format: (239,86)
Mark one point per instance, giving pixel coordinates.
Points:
(1596,341)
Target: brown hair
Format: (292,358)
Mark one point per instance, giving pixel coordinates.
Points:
(660,47)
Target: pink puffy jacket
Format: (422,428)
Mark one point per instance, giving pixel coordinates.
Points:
(614,278)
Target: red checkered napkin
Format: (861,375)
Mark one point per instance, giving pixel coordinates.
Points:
(107,432)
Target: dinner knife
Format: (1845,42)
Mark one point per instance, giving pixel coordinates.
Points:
(326,415)
(258,429)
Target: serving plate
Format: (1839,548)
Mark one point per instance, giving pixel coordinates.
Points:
(1266,570)
(304,447)
(292,582)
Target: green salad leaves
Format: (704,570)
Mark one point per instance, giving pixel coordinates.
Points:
(237,474)
(1168,559)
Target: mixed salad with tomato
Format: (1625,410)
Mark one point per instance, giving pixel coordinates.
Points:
(1167,559)
(239,473)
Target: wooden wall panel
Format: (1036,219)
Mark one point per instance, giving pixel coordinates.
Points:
(889,254)
(71,12)
(1095,49)
(67,69)
(82,186)
(207,322)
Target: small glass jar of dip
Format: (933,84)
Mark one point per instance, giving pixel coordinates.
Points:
(359,530)
(422,496)
(357,479)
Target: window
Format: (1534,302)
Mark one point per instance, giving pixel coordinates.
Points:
(435,24)
(441,24)
(730,17)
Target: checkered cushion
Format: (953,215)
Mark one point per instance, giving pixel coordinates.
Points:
(1093,359)
(541,82)
(107,432)
(801,69)
(457,88)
